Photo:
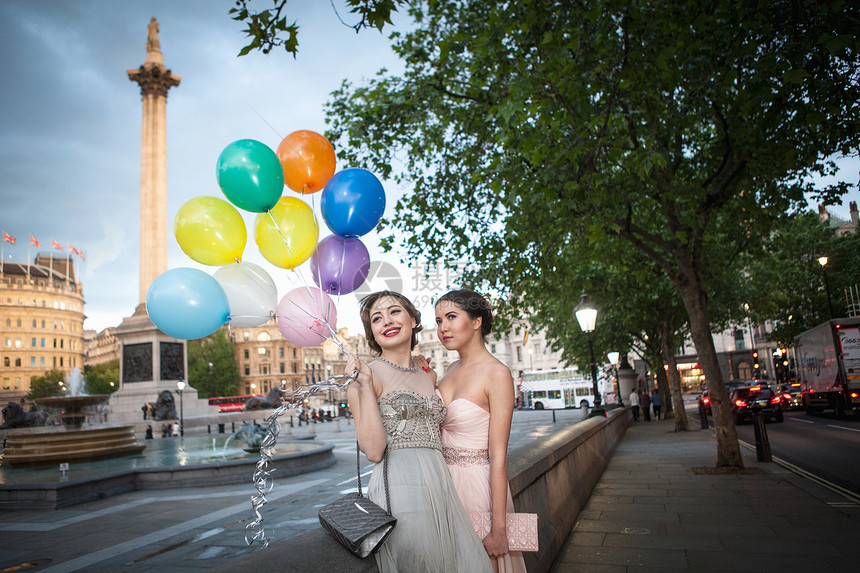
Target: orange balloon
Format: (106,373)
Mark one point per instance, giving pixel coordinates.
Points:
(308,161)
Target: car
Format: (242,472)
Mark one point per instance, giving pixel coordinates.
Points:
(791,397)
(745,399)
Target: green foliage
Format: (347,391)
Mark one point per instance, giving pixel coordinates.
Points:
(218,351)
(102,378)
(268,28)
(46,385)
(533,129)
(788,282)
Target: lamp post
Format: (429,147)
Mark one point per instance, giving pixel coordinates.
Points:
(586,315)
(211,394)
(180,386)
(823,262)
(613,359)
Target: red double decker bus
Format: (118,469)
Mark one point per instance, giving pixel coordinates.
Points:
(230,403)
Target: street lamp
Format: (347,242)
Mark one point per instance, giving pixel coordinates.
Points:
(211,394)
(823,262)
(180,386)
(586,315)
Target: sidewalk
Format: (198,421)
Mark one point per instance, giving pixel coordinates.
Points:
(651,511)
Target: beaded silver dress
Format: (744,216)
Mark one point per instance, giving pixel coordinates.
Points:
(433,532)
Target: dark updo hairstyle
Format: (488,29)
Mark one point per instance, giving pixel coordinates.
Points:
(476,305)
(366,305)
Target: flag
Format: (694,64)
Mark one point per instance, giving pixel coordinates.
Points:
(9,238)
(525,337)
(56,245)
(72,249)
(34,242)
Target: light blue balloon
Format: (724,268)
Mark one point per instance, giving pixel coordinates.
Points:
(352,202)
(187,303)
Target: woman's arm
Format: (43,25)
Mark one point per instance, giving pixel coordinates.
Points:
(500,392)
(362,395)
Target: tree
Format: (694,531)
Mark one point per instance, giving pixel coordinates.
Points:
(268,27)
(218,351)
(102,378)
(46,385)
(679,127)
(787,281)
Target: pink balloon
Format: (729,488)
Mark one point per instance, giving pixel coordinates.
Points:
(306,316)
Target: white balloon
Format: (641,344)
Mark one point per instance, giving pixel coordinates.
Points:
(251,293)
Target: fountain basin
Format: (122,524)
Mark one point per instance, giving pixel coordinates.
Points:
(72,410)
(197,461)
(23,450)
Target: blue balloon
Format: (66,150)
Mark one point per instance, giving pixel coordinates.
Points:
(187,303)
(352,202)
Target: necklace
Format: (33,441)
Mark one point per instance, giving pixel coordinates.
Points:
(398,367)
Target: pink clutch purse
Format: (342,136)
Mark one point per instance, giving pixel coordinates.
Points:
(522,529)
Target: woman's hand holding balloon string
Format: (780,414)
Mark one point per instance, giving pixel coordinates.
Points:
(363,395)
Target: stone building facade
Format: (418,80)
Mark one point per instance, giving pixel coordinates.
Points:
(41,320)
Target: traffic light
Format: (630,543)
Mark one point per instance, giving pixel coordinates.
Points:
(756,364)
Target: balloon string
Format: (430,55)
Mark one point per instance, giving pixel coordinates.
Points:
(262,479)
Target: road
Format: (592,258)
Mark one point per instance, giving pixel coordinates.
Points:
(822,444)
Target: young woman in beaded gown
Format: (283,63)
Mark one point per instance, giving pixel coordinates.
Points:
(479,393)
(395,406)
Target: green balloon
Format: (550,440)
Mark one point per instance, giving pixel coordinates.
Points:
(250,175)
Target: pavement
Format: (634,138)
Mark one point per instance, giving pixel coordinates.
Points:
(650,511)
(653,510)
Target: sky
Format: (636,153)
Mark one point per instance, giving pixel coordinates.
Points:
(70,132)
(71,126)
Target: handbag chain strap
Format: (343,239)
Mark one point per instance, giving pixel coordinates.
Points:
(384,474)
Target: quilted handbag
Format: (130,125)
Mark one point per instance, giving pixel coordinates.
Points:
(356,522)
(522,529)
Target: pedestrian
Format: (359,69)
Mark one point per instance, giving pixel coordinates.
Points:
(634,404)
(398,419)
(170,430)
(656,403)
(149,432)
(144,408)
(645,405)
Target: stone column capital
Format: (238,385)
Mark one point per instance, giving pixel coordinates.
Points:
(153,79)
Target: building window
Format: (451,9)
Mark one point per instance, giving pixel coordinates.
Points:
(739,339)
(493,348)
(8,323)
(281,352)
(519,353)
(34,323)
(247,370)
(43,322)
(42,342)
(295,368)
(19,342)
(33,361)
(294,352)
(18,323)
(246,336)
(61,361)
(7,362)
(283,367)
(18,361)
(247,354)
(42,361)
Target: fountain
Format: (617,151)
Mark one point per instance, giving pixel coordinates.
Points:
(72,443)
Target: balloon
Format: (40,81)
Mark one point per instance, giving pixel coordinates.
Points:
(210,231)
(303,314)
(287,235)
(340,265)
(251,293)
(250,175)
(352,202)
(307,159)
(186,303)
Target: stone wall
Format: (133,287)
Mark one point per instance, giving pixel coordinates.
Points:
(552,477)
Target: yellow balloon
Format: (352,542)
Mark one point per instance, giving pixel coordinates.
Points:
(287,235)
(210,231)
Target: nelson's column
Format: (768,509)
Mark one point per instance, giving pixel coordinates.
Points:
(151,361)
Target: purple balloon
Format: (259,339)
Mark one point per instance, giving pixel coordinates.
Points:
(340,265)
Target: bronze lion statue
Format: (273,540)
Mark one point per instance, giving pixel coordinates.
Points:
(272,400)
(14,416)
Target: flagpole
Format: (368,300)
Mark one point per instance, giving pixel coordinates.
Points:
(28,262)
(2,254)
(68,264)
(51,264)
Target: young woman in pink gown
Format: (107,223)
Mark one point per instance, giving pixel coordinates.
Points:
(479,393)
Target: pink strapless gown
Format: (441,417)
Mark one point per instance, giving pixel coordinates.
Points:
(467,425)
